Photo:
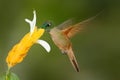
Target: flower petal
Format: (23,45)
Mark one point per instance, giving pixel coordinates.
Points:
(32,23)
(44,44)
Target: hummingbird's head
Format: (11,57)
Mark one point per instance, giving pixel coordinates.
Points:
(46,24)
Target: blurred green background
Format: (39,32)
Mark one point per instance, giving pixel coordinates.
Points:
(97,48)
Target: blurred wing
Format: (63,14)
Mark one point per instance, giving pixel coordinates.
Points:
(72,30)
(65,24)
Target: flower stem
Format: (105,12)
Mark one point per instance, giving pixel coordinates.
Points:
(7,74)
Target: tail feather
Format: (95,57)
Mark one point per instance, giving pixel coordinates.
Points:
(73,59)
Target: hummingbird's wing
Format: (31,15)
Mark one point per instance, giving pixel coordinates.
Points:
(73,29)
(65,24)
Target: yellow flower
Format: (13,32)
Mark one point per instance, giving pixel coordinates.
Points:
(19,51)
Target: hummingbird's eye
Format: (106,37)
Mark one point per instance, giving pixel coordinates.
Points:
(46,24)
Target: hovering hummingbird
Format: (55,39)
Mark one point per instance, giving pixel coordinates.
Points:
(61,37)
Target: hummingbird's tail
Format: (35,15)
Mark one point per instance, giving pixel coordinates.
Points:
(73,59)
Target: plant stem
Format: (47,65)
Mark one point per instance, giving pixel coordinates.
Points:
(7,74)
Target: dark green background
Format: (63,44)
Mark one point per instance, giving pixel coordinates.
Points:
(97,48)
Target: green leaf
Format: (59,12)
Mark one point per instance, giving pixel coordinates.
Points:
(10,76)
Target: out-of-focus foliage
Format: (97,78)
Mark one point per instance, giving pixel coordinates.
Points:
(11,76)
(97,47)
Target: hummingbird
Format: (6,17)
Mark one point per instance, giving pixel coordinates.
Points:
(61,37)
